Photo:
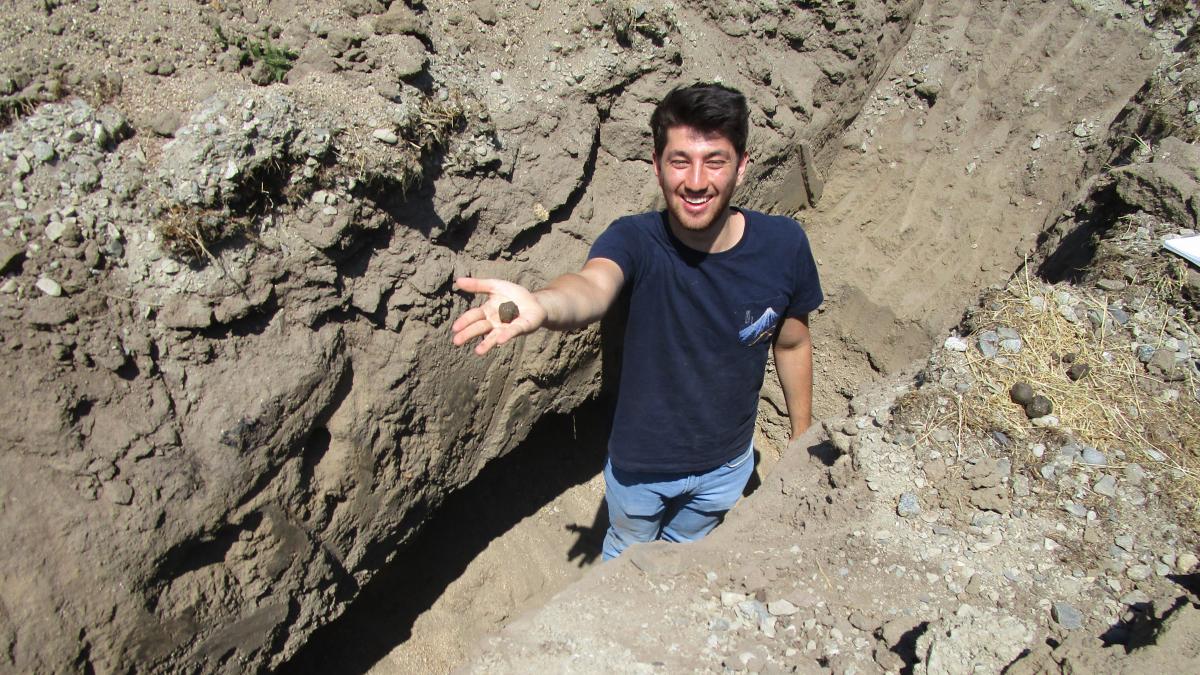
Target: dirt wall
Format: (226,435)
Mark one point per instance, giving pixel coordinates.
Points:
(230,232)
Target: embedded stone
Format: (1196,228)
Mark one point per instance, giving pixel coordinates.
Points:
(1078,371)
(49,286)
(1067,616)
(1039,406)
(1021,393)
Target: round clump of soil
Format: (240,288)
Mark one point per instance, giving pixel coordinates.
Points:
(1078,372)
(508,311)
(1021,393)
(1040,406)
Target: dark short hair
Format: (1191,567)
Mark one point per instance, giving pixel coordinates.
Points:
(707,107)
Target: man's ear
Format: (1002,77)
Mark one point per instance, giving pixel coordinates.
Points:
(654,161)
(741,170)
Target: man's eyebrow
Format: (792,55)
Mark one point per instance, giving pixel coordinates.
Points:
(678,152)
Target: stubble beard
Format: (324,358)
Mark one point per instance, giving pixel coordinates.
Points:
(719,213)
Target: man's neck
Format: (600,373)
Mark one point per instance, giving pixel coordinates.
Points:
(719,237)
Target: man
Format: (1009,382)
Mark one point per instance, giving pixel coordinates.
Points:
(710,287)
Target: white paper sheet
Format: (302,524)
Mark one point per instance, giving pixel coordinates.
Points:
(1188,247)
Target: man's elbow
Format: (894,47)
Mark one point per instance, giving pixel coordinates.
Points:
(794,345)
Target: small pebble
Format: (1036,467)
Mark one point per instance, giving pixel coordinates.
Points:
(908,505)
(1134,473)
(1135,597)
(1139,572)
(989,344)
(49,286)
(729,598)
(781,608)
(385,136)
(955,344)
(54,231)
(1067,616)
(1106,486)
(508,311)
(1077,371)
(43,151)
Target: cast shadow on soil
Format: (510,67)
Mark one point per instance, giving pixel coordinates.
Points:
(1143,629)
(824,452)
(561,451)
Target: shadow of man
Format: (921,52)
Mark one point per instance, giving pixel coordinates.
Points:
(590,538)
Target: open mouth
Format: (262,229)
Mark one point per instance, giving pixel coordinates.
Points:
(697,202)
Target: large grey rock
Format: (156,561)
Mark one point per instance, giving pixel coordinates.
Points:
(1167,186)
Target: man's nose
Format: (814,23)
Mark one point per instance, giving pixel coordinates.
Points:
(694,178)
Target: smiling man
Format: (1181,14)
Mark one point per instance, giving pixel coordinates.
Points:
(710,287)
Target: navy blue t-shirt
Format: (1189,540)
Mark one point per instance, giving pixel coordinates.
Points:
(696,342)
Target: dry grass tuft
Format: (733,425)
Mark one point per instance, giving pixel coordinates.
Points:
(13,108)
(190,233)
(435,122)
(1117,405)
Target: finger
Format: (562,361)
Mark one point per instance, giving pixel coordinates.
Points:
(471,332)
(507,333)
(496,337)
(486,343)
(473,285)
(468,317)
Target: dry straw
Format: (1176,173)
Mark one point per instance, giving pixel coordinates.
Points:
(1116,405)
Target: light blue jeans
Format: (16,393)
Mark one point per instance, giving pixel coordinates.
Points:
(678,507)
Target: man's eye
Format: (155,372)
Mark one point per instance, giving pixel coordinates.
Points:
(716,163)
(679,164)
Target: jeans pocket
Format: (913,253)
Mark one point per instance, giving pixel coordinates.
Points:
(741,459)
(631,495)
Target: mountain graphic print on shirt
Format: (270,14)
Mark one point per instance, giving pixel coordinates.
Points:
(760,329)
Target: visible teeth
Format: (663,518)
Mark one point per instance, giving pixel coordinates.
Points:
(695,200)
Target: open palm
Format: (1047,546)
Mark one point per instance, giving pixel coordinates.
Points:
(484,320)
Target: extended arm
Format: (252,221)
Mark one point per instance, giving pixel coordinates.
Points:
(793,363)
(570,301)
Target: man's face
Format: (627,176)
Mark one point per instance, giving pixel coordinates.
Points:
(698,172)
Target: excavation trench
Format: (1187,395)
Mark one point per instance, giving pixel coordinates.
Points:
(529,524)
(926,201)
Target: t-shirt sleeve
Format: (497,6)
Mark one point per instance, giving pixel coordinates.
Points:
(806,294)
(618,243)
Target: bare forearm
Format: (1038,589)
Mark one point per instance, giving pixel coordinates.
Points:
(568,304)
(794,367)
(576,299)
